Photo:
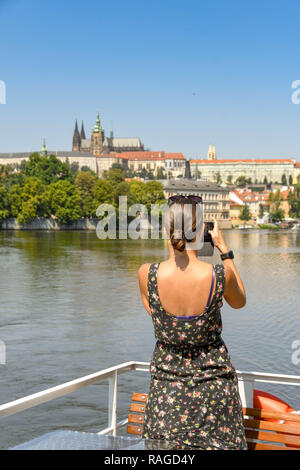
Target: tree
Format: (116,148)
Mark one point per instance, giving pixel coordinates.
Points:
(229,179)
(294,202)
(245,213)
(265,180)
(147,193)
(290,180)
(73,167)
(218,178)
(276,212)
(123,189)
(4,203)
(283,180)
(117,166)
(29,201)
(160,174)
(47,169)
(241,181)
(115,175)
(84,183)
(64,201)
(103,193)
(261,211)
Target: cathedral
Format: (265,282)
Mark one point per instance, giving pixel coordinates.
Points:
(99,144)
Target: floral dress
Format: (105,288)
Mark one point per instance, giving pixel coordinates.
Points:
(193,401)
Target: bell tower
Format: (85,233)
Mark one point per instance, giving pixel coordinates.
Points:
(211,154)
(97,137)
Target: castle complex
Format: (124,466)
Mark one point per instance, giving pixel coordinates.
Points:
(99,144)
(99,152)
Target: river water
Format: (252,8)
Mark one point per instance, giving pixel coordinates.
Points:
(70,306)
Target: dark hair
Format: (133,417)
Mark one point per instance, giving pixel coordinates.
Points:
(179,240)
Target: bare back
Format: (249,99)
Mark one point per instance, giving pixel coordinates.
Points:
(184,291)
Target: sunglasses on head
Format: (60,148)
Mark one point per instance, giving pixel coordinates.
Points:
(190,199)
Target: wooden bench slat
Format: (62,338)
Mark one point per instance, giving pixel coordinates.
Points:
(273,437)
(136,419)
(131,429)
(272,426)
(271,415)
(139,397)
(260,446)
(137,407)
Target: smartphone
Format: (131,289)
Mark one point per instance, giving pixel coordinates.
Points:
(208,244)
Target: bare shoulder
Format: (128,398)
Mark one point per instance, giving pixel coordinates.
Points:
(143,270)
(203,267)
(143,274)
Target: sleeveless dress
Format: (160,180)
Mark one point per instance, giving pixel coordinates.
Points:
(193,401)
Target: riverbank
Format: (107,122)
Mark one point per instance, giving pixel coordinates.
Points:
(51,223)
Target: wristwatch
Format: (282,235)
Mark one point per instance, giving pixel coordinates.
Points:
(228,255)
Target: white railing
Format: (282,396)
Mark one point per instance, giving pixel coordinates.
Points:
(246,386)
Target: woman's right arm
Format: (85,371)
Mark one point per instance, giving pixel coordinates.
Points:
(234,291)
(143,280)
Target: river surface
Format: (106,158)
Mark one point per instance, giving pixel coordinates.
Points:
(70,306)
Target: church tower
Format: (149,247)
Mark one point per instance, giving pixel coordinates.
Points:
(97,137)
(211,154)
(76,139)
(44,151)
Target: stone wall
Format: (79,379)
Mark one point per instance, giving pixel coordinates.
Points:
(49,224)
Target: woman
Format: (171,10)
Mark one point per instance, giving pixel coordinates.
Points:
(193,400)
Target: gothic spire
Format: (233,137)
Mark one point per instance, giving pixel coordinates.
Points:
(76,139)
(82,133)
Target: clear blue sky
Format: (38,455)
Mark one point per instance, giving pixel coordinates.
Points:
(180,75)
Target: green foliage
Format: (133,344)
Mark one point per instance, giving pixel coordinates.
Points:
(276,212)
(147,193)
(4,203)
(64,201)
(85,183)
(103,192)
(46,187)
(115,175)
(294,202)
(261,211)
(161,174)
(240,181)
(268,227)
(284,180)
(245,213)
(48,169)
